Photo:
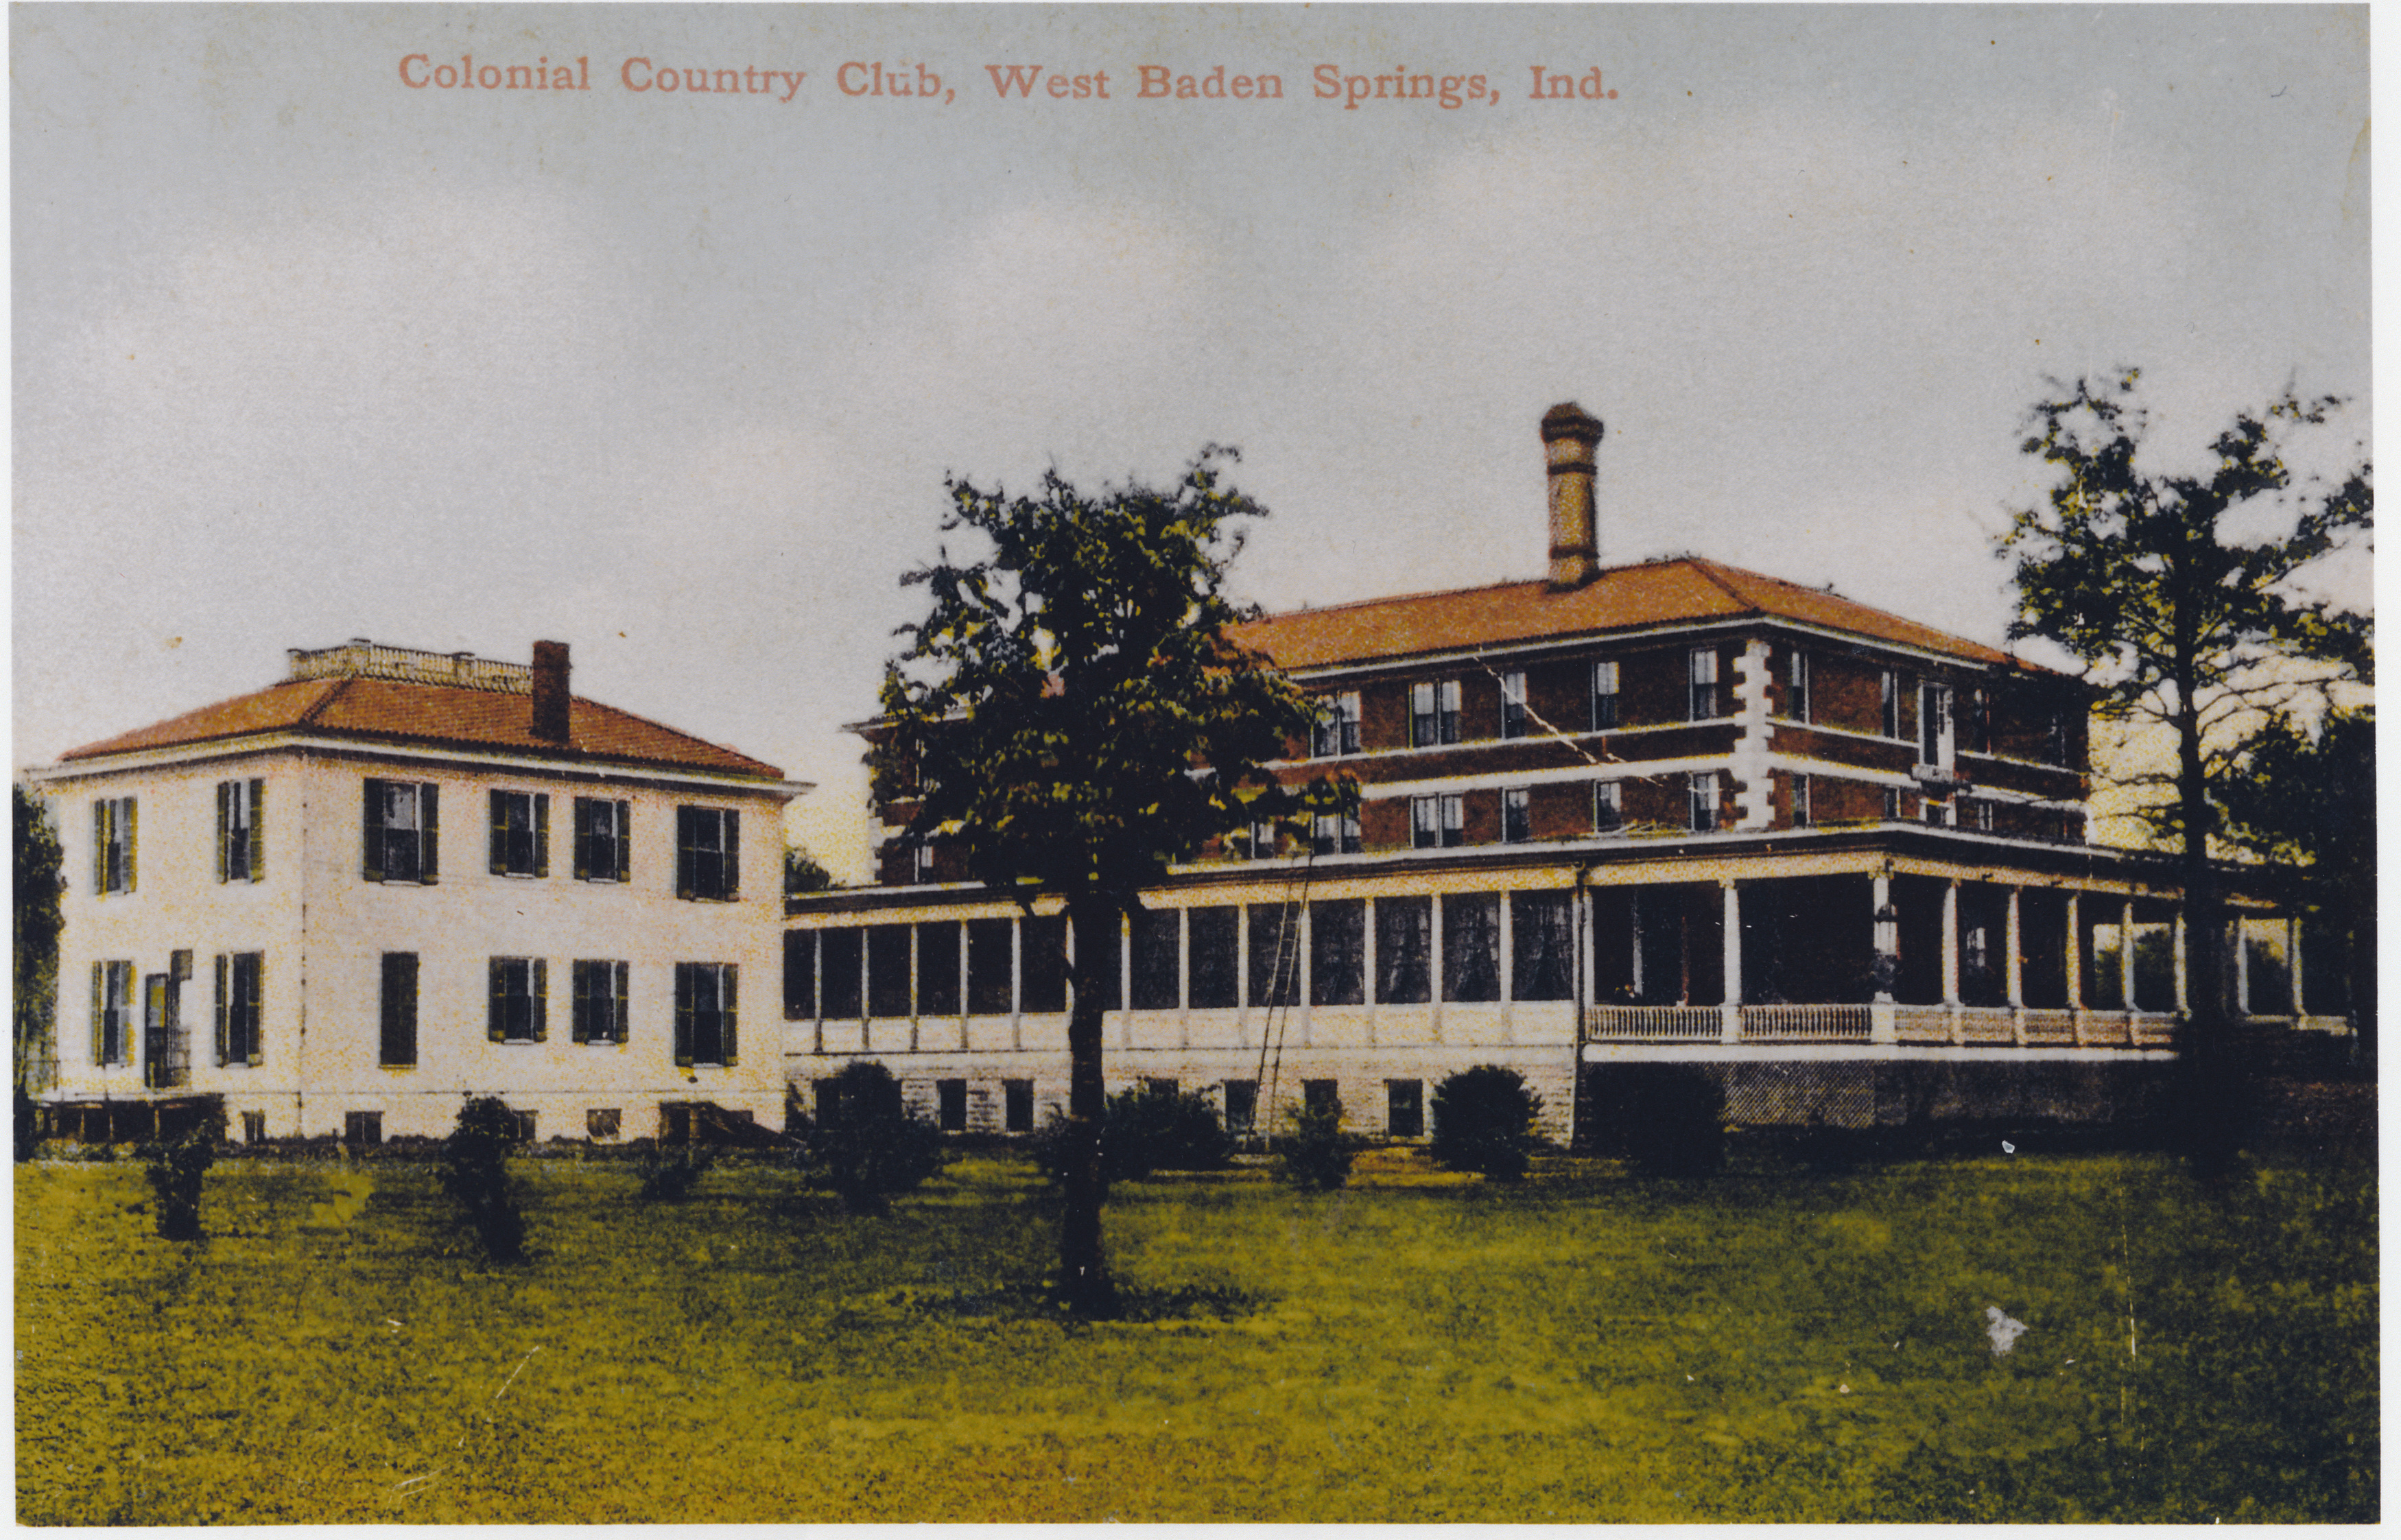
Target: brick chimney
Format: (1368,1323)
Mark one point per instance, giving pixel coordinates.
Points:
(550,691)
(1569,437)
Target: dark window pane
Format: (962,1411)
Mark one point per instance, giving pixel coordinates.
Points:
(1404,951)
(1322,1096)
(1157,967)
(1043,941)
(1018,1104)
(838,961)
(1405,1108)
(1275,955)
(1337,952)
(988,945)
(799,975)
(1543,935)
(1470,946)
(1242,1106)
(1215,980)
(888,971)
(951,1099)
(937,969)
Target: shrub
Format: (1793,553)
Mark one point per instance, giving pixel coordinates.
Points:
(670,1178)
(1315,1154)
(176,1168)
(867,1147)
(1484,1121)
(1666,1120)
(476,1173)
(1147,1128)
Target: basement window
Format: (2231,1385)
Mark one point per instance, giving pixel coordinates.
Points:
(1405,1109)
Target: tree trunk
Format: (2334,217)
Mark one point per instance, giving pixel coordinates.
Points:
(2209,1104)
(1083,1271)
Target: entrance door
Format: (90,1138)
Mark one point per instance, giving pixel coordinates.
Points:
(166,1058)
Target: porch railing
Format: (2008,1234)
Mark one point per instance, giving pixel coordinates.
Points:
(1655,1022)
(1919,1026)
(1821,1023)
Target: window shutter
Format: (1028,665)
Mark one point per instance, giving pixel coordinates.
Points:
(132,815)
(496,1014)
(685,818)
(371,833)
(542,833)
(732,886)
(257,829)
(683,1015)
(621,1024)
(541,1008)
(258,1007)
(499,856)
(98,1013)
(728,977)
(100,846)
(429,821)
(221,1007)
(624,839)
(224,823)
(580,1009)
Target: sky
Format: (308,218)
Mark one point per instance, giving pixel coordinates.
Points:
(304,350)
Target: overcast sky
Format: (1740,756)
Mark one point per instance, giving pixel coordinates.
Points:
(302,354)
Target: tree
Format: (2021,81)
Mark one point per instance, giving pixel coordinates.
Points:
(2307,802)
(475,1172)
(1072,716)
(2141,573)
(38,922)
(804,874)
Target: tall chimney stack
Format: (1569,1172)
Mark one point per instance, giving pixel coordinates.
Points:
(550,691)
(1569,437)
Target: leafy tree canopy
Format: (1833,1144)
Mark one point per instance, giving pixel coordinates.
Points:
(37,920)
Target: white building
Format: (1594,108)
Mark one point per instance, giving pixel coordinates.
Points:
(340,904)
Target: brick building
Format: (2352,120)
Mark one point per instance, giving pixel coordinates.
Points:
(1672,811)
(339,904)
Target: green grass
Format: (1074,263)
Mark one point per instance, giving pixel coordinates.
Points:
(1761,1345)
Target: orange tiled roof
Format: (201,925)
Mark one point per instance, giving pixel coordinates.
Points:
(1657,593)
(379,710)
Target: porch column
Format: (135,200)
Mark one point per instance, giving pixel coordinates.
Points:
(2014,938)
(1731,1012)
(2242,969)
(1017,981)
(1887,939)
(913,987)
(2126,954)
(2183,995)
(1951,944)
(964,1002)
(2292,961)
(2074,961)
(1301,961)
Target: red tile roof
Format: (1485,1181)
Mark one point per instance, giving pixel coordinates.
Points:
(1685,589)
(376,710)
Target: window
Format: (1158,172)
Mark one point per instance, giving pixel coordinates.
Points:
(1404,951)
(520,834)
(951,1100)
(1405,1108)
(1933,811)
(1437,822)
(113,821)
(708,853)
(398,1010)
(1263,842)
(1242,1106)
(241,990)
(599,1010)
(1934,726)
(1892,802)
(403,830)
(1703,672)
(1604,697)
(1800,801)
(603,1122)
(1513,705)
(839,968)
(1275,955)
(360,1129)
(1321,1097)
(989,982)
(2055,738)
(1891,704)
(1608,807)
(799,975)
(1337,952)
(241,817)
(1704,785)
(888,971)
(1541,934)
(921,860)
(1434,713)
(604,838)
(254,1128)
(520,1001)
(1213,976)
(111,1013)
(1979,721)
(1516,815)
(1796,685)
(1335,835)
(1337,730)
(1157,962)
(704,1007)
(938,967)
(1470,946)
(1017,1106)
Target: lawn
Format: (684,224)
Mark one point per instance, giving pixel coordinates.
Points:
(1769,1343)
